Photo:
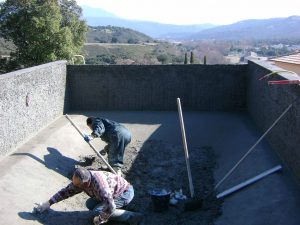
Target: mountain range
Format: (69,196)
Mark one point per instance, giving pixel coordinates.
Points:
(262,29)
(100,17)
(267,29)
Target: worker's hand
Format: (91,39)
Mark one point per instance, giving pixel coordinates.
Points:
(41,207)
(97,220)
(87,138)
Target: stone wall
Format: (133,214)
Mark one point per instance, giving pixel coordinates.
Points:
(29,100)
(266,103)
(156,87)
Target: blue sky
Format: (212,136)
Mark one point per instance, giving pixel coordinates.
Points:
(196,11)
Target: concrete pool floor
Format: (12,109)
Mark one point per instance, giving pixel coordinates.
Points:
(38,168)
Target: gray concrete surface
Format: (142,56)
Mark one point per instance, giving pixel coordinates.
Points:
(29,100)
(40,167)
(154,87)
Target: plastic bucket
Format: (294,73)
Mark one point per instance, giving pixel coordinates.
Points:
(160,199)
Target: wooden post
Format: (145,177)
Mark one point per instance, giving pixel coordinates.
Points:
(186,153)
(91,145)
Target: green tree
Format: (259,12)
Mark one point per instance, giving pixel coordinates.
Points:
(42,30)
(71,19)
(114,40)
(185,58)
(163,58)
(192,60)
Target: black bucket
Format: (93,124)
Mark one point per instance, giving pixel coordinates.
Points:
(160,199)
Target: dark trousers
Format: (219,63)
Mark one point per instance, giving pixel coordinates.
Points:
(117,145)
(121,201)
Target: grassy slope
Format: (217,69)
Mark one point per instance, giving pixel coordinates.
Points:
(140,54)
(112,34)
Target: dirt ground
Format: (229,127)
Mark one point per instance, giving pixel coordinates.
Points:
(156,164)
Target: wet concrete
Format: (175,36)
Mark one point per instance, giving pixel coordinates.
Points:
(43,165)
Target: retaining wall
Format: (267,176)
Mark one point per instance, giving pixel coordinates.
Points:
(156,87)
(29,100)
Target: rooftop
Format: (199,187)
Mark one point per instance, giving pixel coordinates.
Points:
(292,59)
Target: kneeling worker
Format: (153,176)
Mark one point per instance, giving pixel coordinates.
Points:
(109,191)
(114,134)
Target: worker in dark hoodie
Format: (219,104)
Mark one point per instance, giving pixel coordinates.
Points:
(114,134)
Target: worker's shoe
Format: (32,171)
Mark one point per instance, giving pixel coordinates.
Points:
(104,167)
(129,217)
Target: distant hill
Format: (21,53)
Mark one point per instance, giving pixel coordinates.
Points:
(267,29)
(112,34)
(100,17)
(155,30)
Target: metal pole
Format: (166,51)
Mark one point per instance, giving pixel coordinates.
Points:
(186,153)
(91,145)
(250,181)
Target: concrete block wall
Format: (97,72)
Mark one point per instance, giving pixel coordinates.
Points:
(29,100)
(265,103)
(156,87)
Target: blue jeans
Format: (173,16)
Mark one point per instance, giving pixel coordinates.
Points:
(116,146)
(121,201)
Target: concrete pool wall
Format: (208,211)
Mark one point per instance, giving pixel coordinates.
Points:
(32,98)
